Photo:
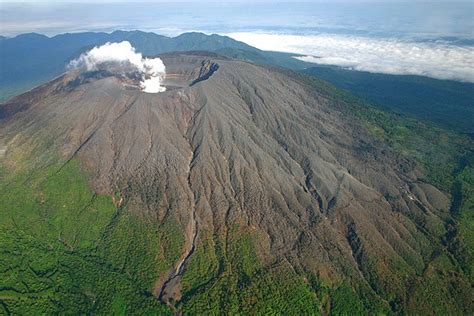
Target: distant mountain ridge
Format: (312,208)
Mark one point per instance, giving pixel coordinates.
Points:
(30,59)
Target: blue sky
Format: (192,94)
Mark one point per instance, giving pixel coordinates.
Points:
(230,1)
(404,18)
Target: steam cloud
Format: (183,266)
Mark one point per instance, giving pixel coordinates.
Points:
(121,58)
(432,59)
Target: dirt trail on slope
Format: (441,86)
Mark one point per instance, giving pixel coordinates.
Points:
(171,286)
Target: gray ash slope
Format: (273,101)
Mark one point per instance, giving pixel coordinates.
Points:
(233,142)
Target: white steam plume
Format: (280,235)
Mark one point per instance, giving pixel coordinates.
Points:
(381,55)
(121,58)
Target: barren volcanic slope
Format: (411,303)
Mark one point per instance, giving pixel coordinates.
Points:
(239,189)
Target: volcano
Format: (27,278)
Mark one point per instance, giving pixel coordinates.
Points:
(241,188)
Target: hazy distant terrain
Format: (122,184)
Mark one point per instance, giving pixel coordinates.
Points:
(449,103)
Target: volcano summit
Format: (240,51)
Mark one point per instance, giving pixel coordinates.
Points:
(240,188)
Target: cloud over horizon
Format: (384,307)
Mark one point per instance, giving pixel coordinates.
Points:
(121,58)
(391,56)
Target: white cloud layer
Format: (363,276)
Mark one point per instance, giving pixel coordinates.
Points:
(391,56)
(121,58)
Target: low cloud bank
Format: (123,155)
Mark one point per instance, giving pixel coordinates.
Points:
(391,56)
(121,58)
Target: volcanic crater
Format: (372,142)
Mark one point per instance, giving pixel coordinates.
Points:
(232,143)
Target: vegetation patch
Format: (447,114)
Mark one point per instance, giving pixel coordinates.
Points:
(447,158)
(65,249)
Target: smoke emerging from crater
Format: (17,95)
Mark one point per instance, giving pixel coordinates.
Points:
(122,59)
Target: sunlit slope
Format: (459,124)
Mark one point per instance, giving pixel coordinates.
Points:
(242,189)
